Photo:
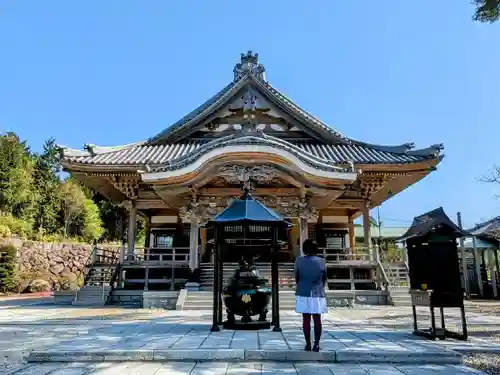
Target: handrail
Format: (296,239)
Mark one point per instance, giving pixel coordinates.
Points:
(112,271)
(384,275)
(169,255)
(381,265)
(86,267)
(345,254)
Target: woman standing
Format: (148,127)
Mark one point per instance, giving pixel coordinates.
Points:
(310,276)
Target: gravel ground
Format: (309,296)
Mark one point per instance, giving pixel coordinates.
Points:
(488,363)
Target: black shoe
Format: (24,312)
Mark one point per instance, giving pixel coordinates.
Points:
(316,348)
(308,347)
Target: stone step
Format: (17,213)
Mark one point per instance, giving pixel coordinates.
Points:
(87,303)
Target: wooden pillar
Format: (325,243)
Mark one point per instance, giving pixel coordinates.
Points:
(493,272)
(146,278)
(132,224)
(123,235)
(147,234)
(172,279)
(477,261)
(193,244)
(304,233)
(463,254)
(352,234)
(366,229)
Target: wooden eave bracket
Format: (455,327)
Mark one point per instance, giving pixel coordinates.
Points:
(128,187)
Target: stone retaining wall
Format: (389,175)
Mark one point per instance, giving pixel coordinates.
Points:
(59,265)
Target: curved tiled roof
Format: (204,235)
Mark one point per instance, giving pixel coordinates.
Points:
(161,154)
(252,139)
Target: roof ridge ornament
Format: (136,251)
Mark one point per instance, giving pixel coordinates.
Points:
(249,64)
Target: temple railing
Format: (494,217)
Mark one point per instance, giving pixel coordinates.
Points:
(174,255)
(359,254)
(105,256)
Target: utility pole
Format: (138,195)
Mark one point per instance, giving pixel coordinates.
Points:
(465,271)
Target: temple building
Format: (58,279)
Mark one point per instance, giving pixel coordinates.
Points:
(251,134)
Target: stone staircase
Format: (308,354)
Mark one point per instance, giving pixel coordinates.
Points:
(400,296)
(285,274)
(398,276)
(99,274)
(92,295)
(203,300)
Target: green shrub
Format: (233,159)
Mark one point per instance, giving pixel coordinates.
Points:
(68,282)
(16,226)
(8,255)
(5,231)
(38,286)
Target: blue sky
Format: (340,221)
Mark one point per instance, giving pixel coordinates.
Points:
(388,72)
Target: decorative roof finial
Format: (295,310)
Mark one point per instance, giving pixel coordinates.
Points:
(249,64)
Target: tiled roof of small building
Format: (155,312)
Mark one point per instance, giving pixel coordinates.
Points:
(486,228)
(425,223)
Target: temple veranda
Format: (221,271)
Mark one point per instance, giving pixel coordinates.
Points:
(248,134)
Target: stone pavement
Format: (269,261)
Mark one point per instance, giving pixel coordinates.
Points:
(221,368)
(354,335)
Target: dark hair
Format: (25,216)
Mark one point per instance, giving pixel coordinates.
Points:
(310,247)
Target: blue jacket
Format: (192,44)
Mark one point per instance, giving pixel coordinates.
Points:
(310,276)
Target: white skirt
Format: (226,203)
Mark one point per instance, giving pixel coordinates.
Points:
(310,305)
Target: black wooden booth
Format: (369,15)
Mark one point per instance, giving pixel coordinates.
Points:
(435,280)
(252,230)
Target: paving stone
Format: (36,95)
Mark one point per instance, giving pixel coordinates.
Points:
(172,368)
(437,370)
(312,369)
(39,369)
(244,369)
(289,355)
(245,340)
(278,368)
(199,355)
(355,355)
(73,369)
(209,368)
(142,368)
(111,368)
(381,370)
(346,369)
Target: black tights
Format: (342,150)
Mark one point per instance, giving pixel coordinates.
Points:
(306,326)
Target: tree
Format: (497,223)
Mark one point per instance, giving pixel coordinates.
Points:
(72,201)
(47,182)
(17,193)
(91,228)
(487,10)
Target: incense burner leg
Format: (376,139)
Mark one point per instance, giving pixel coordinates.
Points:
(433,323)
(464,322)
(262,315)
(415,325)
(230,316)
(443,325)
